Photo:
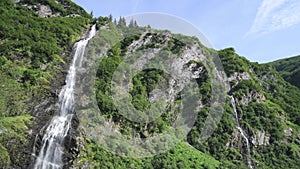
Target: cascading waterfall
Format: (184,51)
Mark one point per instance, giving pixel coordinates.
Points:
(52,149)
(232,100)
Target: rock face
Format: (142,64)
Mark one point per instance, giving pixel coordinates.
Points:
(47,109)
(42,10)
(260,138)
(235,79)
(45,9)
(239,76)
(253,95)
(288,132)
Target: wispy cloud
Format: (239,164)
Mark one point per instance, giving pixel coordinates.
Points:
(275,15)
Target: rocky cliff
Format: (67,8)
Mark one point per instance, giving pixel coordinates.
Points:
(35,55)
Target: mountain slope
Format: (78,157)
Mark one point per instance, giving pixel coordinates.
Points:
(289,68)
(267,108)
(35,50)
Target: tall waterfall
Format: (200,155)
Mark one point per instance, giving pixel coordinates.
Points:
(52,149)
(232,100)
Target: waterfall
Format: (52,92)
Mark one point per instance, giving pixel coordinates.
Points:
(232,100)
(52,149)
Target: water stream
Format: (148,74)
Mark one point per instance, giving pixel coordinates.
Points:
(52,149)
(232,100)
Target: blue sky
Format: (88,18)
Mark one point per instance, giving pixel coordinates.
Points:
(260,30)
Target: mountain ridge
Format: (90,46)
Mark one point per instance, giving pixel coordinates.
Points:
(32,65)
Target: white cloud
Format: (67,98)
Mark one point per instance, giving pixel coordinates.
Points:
(275,15)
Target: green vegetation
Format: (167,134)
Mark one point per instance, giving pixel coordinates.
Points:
(32,54)
(63,7)
(33,51)
(181,156)
(232,62)
(12,138)
(143,83)
(272,109)
(274,115)
(289,69)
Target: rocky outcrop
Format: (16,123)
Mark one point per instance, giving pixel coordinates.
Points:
(236,78)
(253,95)
(288,132)
(239,76)
(46,9)
(260,138)
(42,10)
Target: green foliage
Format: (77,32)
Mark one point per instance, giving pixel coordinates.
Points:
(4,157)
(265,116)
(31,49)
(289,69)
(279,111)
(232,62)
(181,156)
(144,82)
(31,57)
(245,87)
(12,138)
(64,7)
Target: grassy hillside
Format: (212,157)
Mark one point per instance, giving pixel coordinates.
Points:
(289,68)
(266,103)
(35,51)
(32,58)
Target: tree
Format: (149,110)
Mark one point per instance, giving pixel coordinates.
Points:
(110,17)
(122,22)
(132,24)
(135,24)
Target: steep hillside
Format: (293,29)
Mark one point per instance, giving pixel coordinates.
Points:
(259,128)
(289,68)
(34,52)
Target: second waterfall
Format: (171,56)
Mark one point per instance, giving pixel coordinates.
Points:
(52,149)
(232,100)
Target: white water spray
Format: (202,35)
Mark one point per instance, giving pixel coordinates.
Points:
(232,100)
(52,149)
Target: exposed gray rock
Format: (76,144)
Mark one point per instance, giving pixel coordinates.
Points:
(2,130)
(234,139)
(45,11)
(239,76)
(236,78)
(72,15)
(42,10)
(259,97)
(260,138)
(288,132)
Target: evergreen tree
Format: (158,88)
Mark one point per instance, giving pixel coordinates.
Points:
(92,13)
(122,22)
(135,24)
(110,17)
(132,24)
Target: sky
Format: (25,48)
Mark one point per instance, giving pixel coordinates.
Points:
(260,30)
